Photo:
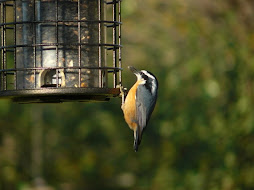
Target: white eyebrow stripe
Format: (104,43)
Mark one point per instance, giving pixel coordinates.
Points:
(148,74)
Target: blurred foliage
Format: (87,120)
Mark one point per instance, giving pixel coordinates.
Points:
(200,136)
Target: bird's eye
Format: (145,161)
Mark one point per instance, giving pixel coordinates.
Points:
(144,76)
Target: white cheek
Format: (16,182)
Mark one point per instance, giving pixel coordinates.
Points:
(142,81)
(138,77)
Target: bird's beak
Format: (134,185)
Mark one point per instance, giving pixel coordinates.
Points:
(132,69)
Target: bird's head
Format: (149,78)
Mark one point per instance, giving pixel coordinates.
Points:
(146,78)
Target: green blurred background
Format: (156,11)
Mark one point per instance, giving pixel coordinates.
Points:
(200,136)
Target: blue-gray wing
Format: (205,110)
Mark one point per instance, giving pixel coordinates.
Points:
(144,106)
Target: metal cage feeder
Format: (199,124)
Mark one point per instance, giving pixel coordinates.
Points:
(56,50)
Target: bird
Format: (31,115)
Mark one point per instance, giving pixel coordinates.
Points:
(139,103)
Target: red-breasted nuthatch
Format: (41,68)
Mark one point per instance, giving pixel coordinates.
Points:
(139,103)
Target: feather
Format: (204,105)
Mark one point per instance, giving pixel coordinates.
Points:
(144,108)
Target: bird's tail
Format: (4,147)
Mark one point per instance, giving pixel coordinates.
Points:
(137,138)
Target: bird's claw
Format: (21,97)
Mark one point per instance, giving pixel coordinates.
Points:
(123,93)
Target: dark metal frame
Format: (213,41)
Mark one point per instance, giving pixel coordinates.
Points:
(60,94)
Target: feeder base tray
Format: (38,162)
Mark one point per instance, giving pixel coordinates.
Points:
(58,95)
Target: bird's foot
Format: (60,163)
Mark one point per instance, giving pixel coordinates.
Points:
(123,93)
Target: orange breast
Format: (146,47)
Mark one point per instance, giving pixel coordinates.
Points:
(129,108)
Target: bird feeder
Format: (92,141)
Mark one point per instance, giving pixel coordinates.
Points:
(56,50)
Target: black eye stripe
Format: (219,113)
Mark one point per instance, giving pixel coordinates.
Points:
(144,76)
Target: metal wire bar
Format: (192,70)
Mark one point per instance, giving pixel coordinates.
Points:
(119,42)
(79,47)
(56,37)
(114,42)
(10,50)
(34,41)
(114,46)
(9,27)
(112,2)
(3,35)
(7,30)
(2,44)
(15,42)
(100,55)
(39,33)
(53,68)
(63,21)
